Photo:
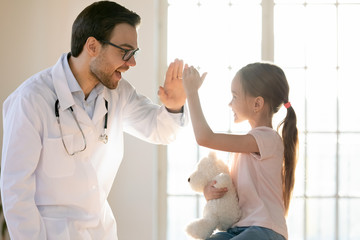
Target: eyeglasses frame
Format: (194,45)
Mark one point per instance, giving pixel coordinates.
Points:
(132,51)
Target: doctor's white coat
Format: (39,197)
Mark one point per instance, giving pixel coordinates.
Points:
(46,193)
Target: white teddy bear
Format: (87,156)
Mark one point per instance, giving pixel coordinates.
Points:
(219,213)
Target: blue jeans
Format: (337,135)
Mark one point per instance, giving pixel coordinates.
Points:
(247,233)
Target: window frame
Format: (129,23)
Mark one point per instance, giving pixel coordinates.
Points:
(267,54)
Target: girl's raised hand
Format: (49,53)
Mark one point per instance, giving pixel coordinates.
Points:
(192,80)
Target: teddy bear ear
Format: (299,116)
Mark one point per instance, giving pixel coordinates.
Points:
(212,154)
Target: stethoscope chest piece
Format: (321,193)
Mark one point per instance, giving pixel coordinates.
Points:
(104,138)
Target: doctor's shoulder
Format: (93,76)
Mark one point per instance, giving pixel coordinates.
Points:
(33,91)
(35,83)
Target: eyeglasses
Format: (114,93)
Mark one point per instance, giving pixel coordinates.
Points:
(128,53)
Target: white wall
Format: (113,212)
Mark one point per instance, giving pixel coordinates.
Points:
(33,36)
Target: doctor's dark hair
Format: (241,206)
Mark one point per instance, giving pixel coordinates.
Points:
(269,82)
(98,20)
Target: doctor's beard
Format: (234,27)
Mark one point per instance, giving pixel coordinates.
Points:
(107,77)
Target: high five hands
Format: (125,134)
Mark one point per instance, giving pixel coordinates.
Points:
(178,84)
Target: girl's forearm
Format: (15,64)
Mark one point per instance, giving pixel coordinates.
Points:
(202,131)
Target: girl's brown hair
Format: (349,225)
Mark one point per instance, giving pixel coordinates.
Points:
(269,81)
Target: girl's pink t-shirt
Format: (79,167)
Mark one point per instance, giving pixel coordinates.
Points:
(257,178)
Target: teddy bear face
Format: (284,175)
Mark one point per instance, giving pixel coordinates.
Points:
(206,170)
(198,181)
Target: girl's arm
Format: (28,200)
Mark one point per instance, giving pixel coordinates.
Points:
(203,133)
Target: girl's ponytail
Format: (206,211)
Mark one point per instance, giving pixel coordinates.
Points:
(290,141)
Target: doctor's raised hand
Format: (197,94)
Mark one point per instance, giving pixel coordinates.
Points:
(172,94)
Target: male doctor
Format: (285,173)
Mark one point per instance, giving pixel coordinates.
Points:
(61,125)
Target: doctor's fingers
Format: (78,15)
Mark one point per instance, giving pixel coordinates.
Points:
(170,71)
(178,69)
(174,70)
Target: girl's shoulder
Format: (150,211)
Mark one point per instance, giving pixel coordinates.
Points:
(265,132)
(268,140)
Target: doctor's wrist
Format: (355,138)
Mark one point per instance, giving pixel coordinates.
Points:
(179,110)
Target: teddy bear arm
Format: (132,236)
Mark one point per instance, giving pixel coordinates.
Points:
(223,180)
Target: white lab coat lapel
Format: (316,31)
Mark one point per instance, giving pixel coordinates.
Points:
(64,94)
(61,86)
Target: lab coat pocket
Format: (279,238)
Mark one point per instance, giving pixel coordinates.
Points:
(56,161)
(56,228)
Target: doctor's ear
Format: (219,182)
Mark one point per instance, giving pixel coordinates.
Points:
(92,46)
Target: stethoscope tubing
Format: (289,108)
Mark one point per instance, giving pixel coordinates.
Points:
(103,137)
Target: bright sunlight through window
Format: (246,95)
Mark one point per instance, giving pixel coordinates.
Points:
(317,44)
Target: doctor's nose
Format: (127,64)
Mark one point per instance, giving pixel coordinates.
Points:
(188,179)
(131,62)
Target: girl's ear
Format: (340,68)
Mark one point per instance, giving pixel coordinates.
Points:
(258,103)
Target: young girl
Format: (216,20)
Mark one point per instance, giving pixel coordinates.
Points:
(263,166)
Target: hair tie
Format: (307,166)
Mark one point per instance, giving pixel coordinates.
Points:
(287,105)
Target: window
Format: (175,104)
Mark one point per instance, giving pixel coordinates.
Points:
(316,43)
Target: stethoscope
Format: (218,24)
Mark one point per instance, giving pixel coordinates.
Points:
(103,137)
